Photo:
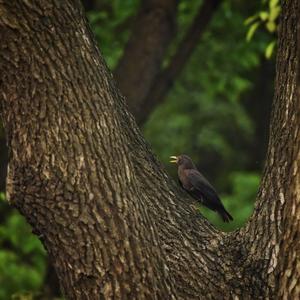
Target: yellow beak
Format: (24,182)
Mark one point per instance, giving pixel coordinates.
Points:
(174,159)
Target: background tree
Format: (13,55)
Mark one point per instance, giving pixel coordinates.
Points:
(226,10)
(140,74)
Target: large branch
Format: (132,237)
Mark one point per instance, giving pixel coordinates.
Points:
(273,230)
(286,152)
(113,222)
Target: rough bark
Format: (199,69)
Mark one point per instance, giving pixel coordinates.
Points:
(145,51)
(115,225)
(287,144)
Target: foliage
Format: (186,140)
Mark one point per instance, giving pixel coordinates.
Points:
(2,196)
(267,17)
(22,256)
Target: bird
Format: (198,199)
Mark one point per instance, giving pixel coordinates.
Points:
(192,181)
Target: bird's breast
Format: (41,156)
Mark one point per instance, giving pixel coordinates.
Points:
(182,175)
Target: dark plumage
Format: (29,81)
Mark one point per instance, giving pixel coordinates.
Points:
(198,187)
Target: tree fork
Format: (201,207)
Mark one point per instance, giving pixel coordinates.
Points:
(113,222)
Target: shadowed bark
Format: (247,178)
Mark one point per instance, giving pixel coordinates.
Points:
(50,289)
(111,219)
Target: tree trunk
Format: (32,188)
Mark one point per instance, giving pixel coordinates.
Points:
(113,222)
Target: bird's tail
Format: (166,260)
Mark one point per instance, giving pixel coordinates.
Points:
(225,215)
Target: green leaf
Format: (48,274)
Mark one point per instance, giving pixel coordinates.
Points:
(271,26)
(250,19)
(274,13)
(273,3)
(264,15)
(252,30)
(269,50)
(2,196)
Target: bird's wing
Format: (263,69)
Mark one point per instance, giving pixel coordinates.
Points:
(202,188)
(198,181)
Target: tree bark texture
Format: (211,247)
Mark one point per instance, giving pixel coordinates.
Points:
(113,222)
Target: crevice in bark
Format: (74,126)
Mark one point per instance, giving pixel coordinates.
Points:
(51,288)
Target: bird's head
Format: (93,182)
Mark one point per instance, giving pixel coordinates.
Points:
(183,161)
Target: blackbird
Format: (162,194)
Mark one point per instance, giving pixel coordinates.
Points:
(198,186)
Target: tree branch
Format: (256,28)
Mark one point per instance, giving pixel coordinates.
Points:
(166,77)
(152,32)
